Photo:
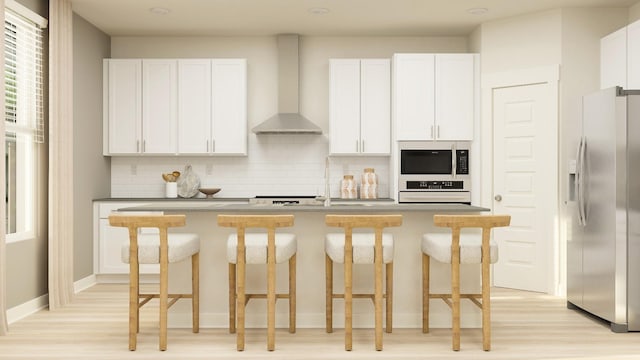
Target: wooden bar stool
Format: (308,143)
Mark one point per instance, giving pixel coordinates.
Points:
(360,248)
(259,248)
(158,249)
(457,249)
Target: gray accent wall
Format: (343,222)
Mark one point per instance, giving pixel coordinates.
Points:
(92,171)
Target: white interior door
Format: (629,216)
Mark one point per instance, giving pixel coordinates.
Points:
(525,185)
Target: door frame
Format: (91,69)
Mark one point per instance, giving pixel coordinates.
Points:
(549,75)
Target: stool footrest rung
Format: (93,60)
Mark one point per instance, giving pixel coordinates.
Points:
(248,297)
(447,298)
(174,297)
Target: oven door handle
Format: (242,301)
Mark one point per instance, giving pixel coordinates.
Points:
(454,155)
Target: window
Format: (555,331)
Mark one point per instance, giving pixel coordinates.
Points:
(24,117)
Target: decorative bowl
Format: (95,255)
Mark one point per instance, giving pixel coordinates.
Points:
(209,191)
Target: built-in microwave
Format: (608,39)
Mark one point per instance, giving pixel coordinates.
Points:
(434,172)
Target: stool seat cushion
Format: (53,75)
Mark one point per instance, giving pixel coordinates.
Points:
(181,246)
(438,246)
(363,247)
(256,247)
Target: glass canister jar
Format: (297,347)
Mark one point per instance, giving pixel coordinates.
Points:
(369,184)
(349,189)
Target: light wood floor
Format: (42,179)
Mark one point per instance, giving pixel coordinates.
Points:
(525,326)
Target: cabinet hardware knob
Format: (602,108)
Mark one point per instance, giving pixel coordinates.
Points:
(498,197)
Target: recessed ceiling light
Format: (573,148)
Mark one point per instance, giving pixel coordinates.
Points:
(318,11)
(159,11)
(477,11)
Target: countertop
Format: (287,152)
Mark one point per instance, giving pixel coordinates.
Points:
(242,205)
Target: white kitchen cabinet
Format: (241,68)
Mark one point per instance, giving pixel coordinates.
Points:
(359,106)
(141,107)
(194,106)
(633,56)
(229,112)
(110,240)
(175,107)
(212,107)
(613,59)
(434,96)
(159,106)
(123,106)
(455,96)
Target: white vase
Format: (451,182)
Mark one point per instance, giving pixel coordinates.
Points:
(171,189)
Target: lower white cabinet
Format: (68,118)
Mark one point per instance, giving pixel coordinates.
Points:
(107,257)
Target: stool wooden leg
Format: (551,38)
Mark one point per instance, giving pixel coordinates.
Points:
(133,303)
(164,295)
(292,294)
(240,303)
(378,301)
(232,298)
(486,306)
(348,306)
(389,301)
(195,291)
(425,293)
(329,293)
(455,298)
(271,302)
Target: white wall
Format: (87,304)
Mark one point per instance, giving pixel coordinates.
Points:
(277,164)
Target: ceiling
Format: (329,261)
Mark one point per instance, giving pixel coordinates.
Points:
(343,17)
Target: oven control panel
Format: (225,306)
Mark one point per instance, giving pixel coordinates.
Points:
(435,185)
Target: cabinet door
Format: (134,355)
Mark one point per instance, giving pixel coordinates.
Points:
(455,96)
(375,106)
(194,106)
(633,55)
(613,59)
(124,104)
(111,241)
(344,106)
(414,96)
(229,94)
(159,106)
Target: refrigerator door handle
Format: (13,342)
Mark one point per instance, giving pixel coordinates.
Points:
(576,181)
(582,203)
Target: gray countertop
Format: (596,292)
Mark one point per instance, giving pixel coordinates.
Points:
(334,207)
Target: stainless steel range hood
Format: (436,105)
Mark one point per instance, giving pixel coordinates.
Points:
(288,119)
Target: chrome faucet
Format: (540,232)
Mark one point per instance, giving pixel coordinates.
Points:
(327,187)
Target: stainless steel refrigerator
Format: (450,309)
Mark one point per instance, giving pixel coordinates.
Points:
(603,245)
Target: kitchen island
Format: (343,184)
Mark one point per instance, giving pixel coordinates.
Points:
(310,230)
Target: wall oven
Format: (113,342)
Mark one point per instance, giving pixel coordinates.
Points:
(434,172)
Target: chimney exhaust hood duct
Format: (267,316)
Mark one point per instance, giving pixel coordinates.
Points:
(288,119)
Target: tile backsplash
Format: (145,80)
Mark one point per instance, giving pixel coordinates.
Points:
(276,165)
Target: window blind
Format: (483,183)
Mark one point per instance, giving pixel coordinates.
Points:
(24,88)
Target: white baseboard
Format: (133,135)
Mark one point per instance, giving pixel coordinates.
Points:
(30,307)
(84,284)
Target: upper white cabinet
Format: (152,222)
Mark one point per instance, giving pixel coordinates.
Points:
(175,107)
(229,87)
(633,55)
(620,58)
(613,59)
(434,96)
(159,106)
(194,110)
(360,106)
(123,106)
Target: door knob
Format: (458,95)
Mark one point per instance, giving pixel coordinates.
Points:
(498,197)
